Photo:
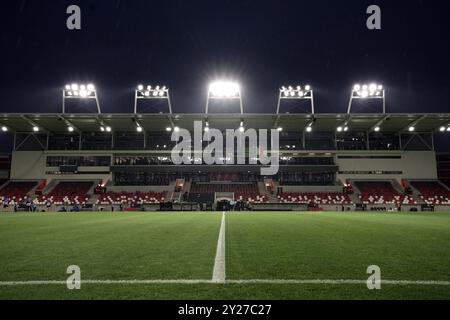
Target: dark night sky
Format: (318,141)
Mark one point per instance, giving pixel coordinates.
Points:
(263,44)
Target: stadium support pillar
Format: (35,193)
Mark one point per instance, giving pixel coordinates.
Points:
(112,140)
(303,139)
(79,141)
(47,141)
(367,140)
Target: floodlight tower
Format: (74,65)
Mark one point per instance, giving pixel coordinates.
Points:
(224,90)
(367,91)
(150,92)
(80,91)
(296,93)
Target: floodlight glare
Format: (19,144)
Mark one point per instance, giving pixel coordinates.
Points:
(102,129)
(339,129)
(35,129)
(291,92)
(108,129)
(176,129)
(140,87)
(70,129)
(376,129)
(80,90)
(442,129)
(4,129)
(206,129)
(224,89)
(346,128)
(241,129)
(308,129)
(411,129)
(139,129)
(367,90)
(280,129)
(448,129)
(168,129)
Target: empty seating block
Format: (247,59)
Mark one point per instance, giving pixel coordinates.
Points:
(68,193)
(16,190)
(381,192)
(314,198)
(130,198)
(432,192)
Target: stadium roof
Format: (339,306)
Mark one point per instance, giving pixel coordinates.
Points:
(153,122)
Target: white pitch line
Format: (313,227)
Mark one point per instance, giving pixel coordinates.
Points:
(244,281)
(219,262)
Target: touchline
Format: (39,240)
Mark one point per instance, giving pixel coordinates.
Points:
(190,150)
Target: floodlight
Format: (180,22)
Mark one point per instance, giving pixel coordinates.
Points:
(367,91)
(339,129)
(102,129)
(176,129)
(309,129)
(345,128)
(280,129)
(4,129)
(168,129)
(35,128)
(139,129)
(442,129)
(70,129)
(151,92)
(224,89)
(206,129)
(297,92)
(108,129)
(411,128)
(79,91)
(377,129)
(448,129)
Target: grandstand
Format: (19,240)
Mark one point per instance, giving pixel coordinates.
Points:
(124,161)
(394,168)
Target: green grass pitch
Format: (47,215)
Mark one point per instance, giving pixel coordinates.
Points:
(258,245)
